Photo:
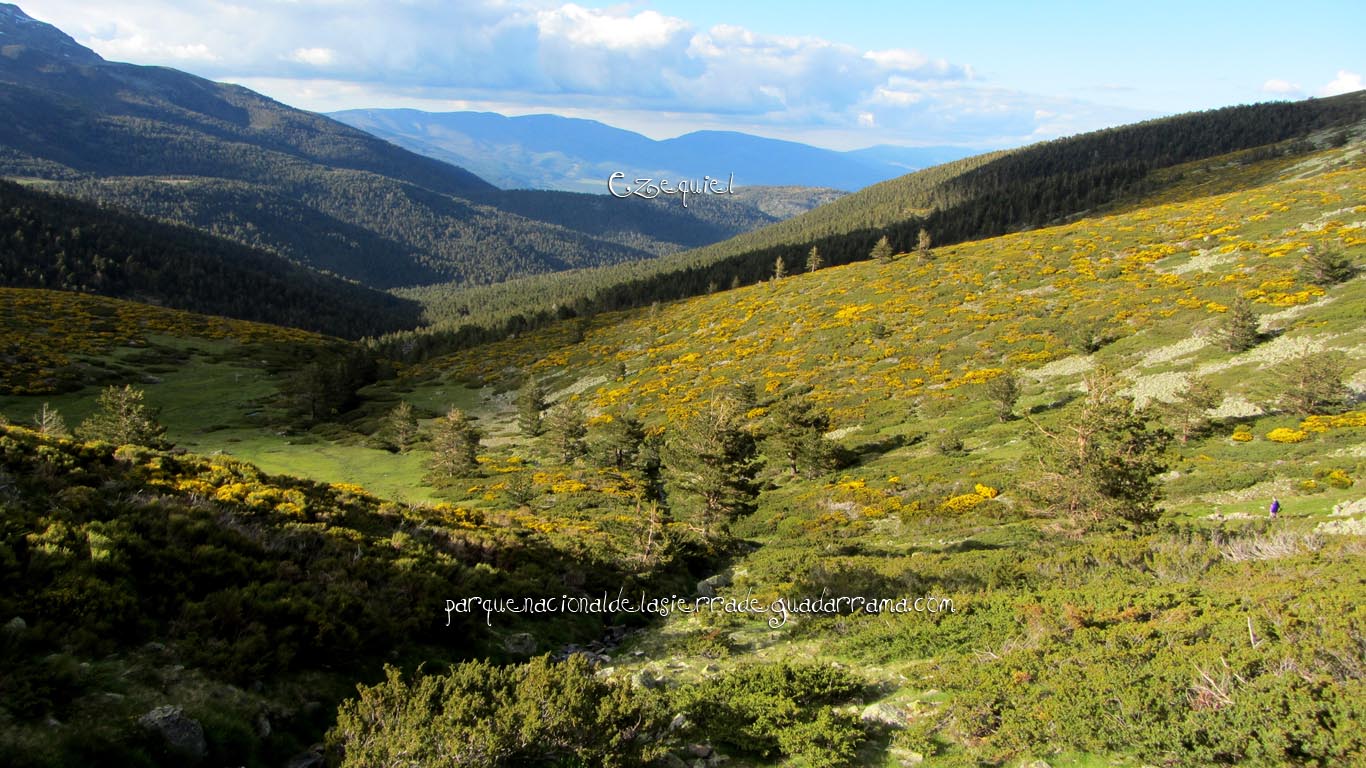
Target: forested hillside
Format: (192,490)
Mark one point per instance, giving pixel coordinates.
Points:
(232,162)
(59,243)
(957,202)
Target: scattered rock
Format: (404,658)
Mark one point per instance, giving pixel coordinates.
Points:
(309,758)
(182,735)
(16,626)
(885,713)
(1341,509)
(1035,764)
(674,761)
(680,720)
(520,644)
(700,750)
(707,587)
(906,757)
(646,680)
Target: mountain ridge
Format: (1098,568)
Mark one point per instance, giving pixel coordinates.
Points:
(575,154)
(327,195)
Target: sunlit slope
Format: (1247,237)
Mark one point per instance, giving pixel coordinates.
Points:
(872,337)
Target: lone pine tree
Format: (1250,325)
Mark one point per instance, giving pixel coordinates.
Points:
(712,460)
(123,418)
(455,448)
(796,436)
(1103,461)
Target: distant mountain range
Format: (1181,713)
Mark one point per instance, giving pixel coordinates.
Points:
(552,152)
(233,163)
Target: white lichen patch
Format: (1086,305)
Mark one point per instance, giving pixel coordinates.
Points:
(1356,527)
(1204,262)
(1357,382)
(1165,387)
(1068,366)
(1279,319)
(842,432)
(1236,407)
(1167,354)
(1272,353)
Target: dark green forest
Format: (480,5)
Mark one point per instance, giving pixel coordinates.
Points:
(55,242)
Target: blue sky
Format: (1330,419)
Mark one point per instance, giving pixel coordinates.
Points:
(981,74)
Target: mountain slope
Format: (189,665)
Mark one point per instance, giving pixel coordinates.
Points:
(1192,627)
(551,152)
(179,147)
(54,242)
(956,202)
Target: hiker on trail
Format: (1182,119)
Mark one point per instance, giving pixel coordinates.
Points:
(1275,507)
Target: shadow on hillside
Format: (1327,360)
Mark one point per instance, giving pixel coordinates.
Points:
(1060,401)
(852,456)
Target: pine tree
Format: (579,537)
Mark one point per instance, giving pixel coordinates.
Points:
(814,260)
(712,460)
(779,269)
(530,404)
(922,246)
(882,251)
(455,448)
(616,440)
(1189,414)
(1104,461)
(400,429)
(1239,329)
(49,423)
(566,430)
(796,436)
(1004,392)
(1327,267)
(1312,384)
(122,418)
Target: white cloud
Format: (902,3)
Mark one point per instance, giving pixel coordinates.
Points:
(318,57)
(1345,82)
(1278,87)
(589,28)
(141,46)
(639,66)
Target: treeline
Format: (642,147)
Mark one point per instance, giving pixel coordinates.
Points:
(659,226)
(957,202)
(53,242)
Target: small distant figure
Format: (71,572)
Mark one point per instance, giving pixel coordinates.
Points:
(1275,507)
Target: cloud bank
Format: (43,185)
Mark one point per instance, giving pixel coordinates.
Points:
(640,66)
